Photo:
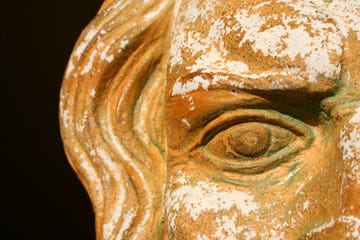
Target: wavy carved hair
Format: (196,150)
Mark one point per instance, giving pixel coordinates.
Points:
(111,116)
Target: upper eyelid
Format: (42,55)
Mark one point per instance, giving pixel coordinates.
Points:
(232,118)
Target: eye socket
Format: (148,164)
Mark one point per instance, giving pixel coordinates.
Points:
(254,141)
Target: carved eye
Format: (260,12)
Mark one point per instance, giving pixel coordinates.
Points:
(255,144)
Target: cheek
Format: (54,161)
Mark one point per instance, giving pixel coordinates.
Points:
(203,210)
(349,146)
(200,209)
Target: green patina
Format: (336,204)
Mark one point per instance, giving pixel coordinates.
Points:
(293,166)
(269,181)
(254,184)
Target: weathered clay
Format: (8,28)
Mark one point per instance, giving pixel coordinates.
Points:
(204,119)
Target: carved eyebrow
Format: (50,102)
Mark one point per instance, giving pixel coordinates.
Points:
(215,93)
(271,84)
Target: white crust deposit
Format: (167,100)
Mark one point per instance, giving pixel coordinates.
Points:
(189,86)
(207,197)
(315,46)
(312,32)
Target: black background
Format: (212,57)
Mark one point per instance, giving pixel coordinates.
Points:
(43,197)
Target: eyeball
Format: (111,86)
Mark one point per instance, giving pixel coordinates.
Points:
(248,139)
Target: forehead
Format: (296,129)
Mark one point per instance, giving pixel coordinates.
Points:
(265,44)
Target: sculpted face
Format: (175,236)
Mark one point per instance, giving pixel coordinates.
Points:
(263,121)
(243,124)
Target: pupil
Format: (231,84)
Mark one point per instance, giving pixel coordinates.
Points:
(249,141)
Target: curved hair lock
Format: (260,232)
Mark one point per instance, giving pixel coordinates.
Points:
(111,119)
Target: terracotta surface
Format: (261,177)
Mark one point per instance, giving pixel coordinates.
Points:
(218,119)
